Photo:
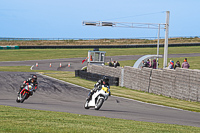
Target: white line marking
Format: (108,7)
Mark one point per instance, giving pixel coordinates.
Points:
(32,67)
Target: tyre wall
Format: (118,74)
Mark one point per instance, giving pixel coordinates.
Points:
(106,70)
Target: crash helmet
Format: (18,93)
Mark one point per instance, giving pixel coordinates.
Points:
(105,79)
(34,78)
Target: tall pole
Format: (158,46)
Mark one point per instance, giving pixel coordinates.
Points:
(158,45)
(166,40)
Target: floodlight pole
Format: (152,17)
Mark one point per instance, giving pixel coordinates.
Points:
(166,40)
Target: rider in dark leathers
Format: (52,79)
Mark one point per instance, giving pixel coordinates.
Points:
(98,86)
(30,81)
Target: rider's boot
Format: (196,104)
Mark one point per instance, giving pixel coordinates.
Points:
(90,96)
(18,93)
(19,90)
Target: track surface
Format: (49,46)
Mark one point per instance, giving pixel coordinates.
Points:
(55,95)
(76,63)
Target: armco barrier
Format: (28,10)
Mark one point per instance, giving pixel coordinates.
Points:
(9,47)
(113,81)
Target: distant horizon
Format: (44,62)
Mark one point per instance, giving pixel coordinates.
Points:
(63,38)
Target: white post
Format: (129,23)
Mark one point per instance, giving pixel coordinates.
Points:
(166,40)
(158,44)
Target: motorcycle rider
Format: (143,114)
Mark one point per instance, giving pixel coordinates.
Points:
(30,81)
(98,86)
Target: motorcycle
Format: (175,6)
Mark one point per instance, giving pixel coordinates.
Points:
(25,93)
(98,98)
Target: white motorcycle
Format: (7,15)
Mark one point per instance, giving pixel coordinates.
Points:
(98,98)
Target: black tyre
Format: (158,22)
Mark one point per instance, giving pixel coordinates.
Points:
(99,104)
(86,105)
(18,101)
(23,97)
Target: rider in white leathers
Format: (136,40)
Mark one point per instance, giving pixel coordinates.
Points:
(98,86)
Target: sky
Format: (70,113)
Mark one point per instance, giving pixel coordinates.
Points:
(63,18)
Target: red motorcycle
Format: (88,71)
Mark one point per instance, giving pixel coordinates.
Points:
(25,93)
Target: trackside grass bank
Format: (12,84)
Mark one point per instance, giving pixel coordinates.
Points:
(18,120)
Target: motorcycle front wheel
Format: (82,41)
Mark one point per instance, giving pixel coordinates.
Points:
(99,104)
(23,97)
(17,100)
(86,105)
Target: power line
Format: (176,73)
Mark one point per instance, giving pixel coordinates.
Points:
(139,15)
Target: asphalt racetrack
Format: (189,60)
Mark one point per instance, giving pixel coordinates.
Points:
(71,64)
(55,95)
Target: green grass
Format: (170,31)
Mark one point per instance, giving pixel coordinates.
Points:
(18,120)
(40,54)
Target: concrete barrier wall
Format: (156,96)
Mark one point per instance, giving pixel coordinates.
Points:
(180,83)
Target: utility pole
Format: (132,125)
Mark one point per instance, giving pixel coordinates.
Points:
(166,40)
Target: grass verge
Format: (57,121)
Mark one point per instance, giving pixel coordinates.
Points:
(18,120)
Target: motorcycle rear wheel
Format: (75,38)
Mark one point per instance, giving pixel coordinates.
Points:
(99,104)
